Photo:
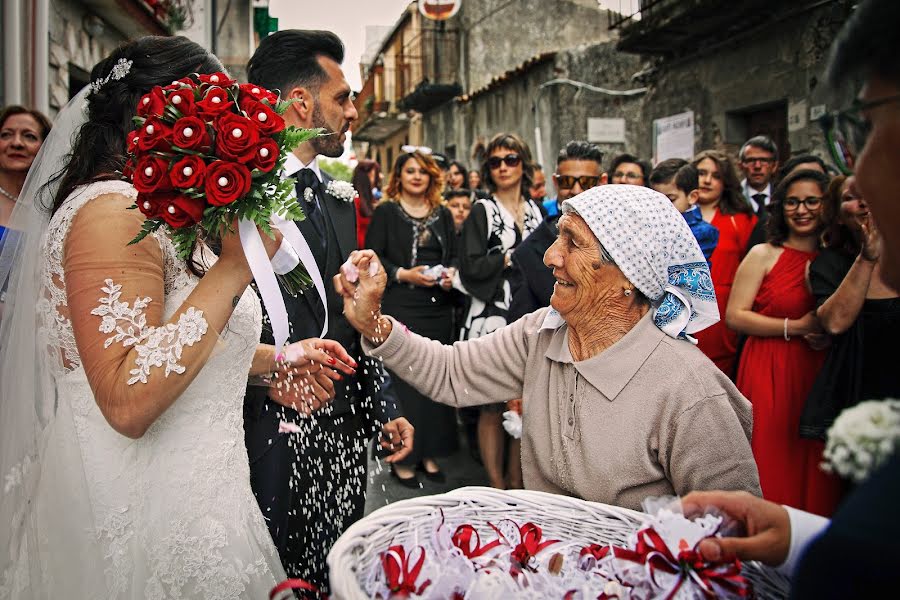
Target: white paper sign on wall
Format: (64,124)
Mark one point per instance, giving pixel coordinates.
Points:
(610,131)
(797,112)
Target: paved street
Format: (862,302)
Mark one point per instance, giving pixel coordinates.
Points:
(460,468)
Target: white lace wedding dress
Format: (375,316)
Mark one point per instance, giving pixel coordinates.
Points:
(169,515)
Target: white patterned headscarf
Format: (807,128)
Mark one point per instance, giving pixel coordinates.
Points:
(652,244)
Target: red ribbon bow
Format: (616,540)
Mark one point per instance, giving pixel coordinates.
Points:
(529,544)
(688,565)
(294,584)
(466,538)
(401,574)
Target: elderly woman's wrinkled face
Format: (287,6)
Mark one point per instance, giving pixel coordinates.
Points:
(583,279)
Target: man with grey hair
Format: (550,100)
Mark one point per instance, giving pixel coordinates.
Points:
(759,162)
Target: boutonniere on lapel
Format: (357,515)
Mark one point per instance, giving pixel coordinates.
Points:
(341,189)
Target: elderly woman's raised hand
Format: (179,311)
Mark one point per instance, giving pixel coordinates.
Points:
(361,282)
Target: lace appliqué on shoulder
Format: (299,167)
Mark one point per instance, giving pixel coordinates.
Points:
(156,346)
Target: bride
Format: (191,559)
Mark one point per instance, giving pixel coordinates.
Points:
(124,472)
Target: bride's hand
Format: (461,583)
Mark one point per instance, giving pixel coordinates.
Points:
(232,251)
(328,354)
(307,370)
(361,282)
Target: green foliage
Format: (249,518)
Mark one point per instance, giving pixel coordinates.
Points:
(336,169)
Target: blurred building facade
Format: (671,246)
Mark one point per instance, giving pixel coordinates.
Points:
(50,46)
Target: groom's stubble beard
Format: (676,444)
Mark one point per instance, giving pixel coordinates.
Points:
(329,143)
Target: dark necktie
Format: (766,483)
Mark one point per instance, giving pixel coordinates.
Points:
(306,179)
(760,203)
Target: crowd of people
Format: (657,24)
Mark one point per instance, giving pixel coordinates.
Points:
(793,258)
(662,330)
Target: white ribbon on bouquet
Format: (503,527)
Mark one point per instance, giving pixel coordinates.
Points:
(264,273)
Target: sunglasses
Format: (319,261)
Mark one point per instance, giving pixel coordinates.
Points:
(510,160)
(567,182)
(846,132)
(812,203)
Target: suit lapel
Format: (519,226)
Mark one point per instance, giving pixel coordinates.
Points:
(341,217)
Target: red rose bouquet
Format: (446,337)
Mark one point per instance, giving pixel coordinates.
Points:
(206,151)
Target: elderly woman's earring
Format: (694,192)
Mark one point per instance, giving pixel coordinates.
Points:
(627,291)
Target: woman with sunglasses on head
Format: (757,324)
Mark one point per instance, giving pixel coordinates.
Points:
(857,307)
(496,226)
(723,206)
(413,234)
(771,304)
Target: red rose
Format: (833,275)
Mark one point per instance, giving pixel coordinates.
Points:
(155,135)
(266,156)
(226,182)
(182,211)
(190,133)
(150,205)
(183,101)
(219,78)
(215,102)
(188,172)
(131,141)
(152,104)
(237,137)
(151,173)
(268,121)
(258,93)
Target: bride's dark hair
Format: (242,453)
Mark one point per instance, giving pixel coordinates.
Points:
(98,152)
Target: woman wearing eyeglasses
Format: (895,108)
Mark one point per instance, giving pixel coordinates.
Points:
(723,206)
(771,303)
(414,237)
(496,226)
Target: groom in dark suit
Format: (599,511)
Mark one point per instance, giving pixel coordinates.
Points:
(311,483)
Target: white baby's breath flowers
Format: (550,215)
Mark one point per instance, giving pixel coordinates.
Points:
(341,189)
(862,438)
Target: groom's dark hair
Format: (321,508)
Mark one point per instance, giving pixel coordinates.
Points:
(291,57)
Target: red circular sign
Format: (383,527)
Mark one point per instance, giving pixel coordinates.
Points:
(439,10)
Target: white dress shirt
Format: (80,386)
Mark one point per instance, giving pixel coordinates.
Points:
(749,192)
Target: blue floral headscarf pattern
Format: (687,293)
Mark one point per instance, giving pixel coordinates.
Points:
(652,244)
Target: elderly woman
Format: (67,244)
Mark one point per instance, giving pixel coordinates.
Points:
(618,405)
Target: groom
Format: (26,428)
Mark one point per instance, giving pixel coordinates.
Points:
(310,484)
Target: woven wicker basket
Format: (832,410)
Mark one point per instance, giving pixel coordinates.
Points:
(356,553)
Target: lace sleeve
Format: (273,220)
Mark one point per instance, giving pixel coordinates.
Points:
(115,298)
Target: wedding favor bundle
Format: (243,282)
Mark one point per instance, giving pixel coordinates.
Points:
(567,549)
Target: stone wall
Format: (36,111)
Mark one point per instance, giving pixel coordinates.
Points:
(70,44)
(498,35)
(781,63)
(562,110)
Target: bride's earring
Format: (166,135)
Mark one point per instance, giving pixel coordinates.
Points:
(627,291)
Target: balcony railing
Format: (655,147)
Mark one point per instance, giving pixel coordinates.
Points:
(427,69)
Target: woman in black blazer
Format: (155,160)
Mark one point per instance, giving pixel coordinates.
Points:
(414,237)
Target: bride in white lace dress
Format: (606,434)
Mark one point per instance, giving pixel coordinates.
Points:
(128,475)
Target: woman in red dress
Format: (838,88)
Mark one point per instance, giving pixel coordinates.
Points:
(722,204)
(772,304)
(366,180)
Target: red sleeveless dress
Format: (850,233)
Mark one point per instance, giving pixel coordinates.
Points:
(776,376)
(717,341)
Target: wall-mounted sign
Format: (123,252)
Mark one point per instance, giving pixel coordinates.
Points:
(797,115)
(439,10)
(673,137)
(816,111)
(610,131)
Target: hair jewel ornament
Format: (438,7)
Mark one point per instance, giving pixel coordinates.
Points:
(409,149)
(119,70)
